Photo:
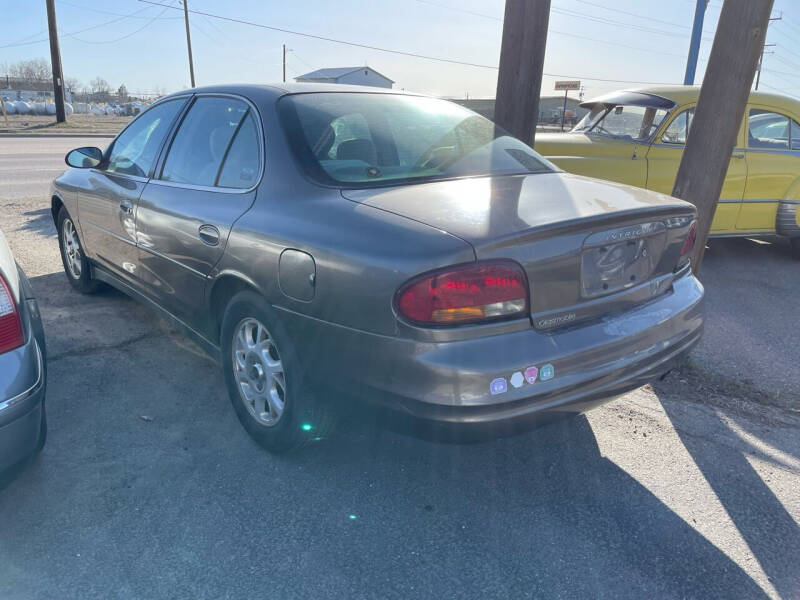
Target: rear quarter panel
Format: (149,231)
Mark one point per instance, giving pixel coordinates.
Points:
(362,255)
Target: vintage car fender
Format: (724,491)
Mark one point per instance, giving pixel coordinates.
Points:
(787,221)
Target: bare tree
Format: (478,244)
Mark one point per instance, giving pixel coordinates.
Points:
(34,70)
(122,93)
(72,84)
(101,90)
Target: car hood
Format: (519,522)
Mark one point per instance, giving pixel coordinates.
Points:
(577,144)
(491,208)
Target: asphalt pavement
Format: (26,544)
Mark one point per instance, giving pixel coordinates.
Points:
(149,488)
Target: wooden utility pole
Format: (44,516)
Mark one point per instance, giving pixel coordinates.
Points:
(726,86)
(188,39)
(284,63)
(519,81)
(55,62)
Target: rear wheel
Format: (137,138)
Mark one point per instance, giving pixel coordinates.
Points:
(264,378)
(76,265)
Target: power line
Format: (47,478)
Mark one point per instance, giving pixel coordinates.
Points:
(781,91)
(127,35)
(108,12)
(631,14)
(387,50)
(326,39)
(73,33)
(629,26)
(591,39)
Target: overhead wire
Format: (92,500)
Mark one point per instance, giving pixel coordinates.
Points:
(378,48)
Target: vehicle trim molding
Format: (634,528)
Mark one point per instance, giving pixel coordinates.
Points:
(173,261)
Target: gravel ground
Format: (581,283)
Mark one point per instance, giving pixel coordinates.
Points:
(148,487)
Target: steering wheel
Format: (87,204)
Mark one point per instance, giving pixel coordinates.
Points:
(427,158)
(602,129)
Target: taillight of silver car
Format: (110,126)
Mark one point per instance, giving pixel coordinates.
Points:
(472,293)
(11,335)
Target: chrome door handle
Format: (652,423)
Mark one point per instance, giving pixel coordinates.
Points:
(209,235)
(738,155)
(126,207)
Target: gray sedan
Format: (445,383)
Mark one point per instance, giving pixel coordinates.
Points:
(23,427)
(333,243)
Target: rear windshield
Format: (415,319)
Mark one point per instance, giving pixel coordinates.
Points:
(363,140)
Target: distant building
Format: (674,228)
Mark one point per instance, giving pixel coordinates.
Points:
(348,75)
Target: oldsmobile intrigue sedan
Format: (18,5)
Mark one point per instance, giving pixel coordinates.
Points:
(637,137)
(330,243)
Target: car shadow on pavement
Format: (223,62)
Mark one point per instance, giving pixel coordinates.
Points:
(40,221)
(760,517)
(542,506)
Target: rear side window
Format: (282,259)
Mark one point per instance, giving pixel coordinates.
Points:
(203,141)
(240,168)
(768,130)
(134,151)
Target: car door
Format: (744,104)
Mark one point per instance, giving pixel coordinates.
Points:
(664,158)
(205,181)
(773,165)
(108,198)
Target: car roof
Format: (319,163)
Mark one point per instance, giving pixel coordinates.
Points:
(686,94)
(281,89)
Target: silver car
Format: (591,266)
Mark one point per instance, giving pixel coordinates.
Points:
(23,377)
(330,244)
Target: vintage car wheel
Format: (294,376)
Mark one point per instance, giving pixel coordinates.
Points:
(264,378)
(76,265)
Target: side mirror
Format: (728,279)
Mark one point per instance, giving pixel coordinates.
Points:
(84,158)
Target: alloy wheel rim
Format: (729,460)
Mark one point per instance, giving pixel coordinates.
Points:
(72,249)
(258,370)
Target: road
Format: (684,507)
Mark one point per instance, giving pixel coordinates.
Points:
(149,488)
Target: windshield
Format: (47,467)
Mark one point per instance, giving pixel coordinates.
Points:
(621,121)
(361,140)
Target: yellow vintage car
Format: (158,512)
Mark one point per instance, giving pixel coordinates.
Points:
(637,137)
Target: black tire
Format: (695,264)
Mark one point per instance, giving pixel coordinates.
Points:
(795,243)
(303,418)
(83,282)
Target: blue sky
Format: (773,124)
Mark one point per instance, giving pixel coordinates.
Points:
(631,40)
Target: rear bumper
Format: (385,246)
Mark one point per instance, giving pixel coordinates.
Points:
(453,381)
(23,380)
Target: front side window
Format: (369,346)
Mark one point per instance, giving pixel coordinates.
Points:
(134,151)
(203,139)
(629,122)
(678,130)
(768,130)
(362,140)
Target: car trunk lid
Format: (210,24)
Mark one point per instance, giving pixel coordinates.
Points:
(588,247)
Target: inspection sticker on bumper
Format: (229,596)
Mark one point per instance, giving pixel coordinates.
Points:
(498,386)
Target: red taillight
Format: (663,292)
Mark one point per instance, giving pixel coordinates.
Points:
(691,238)
(468,294)
(10,325)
